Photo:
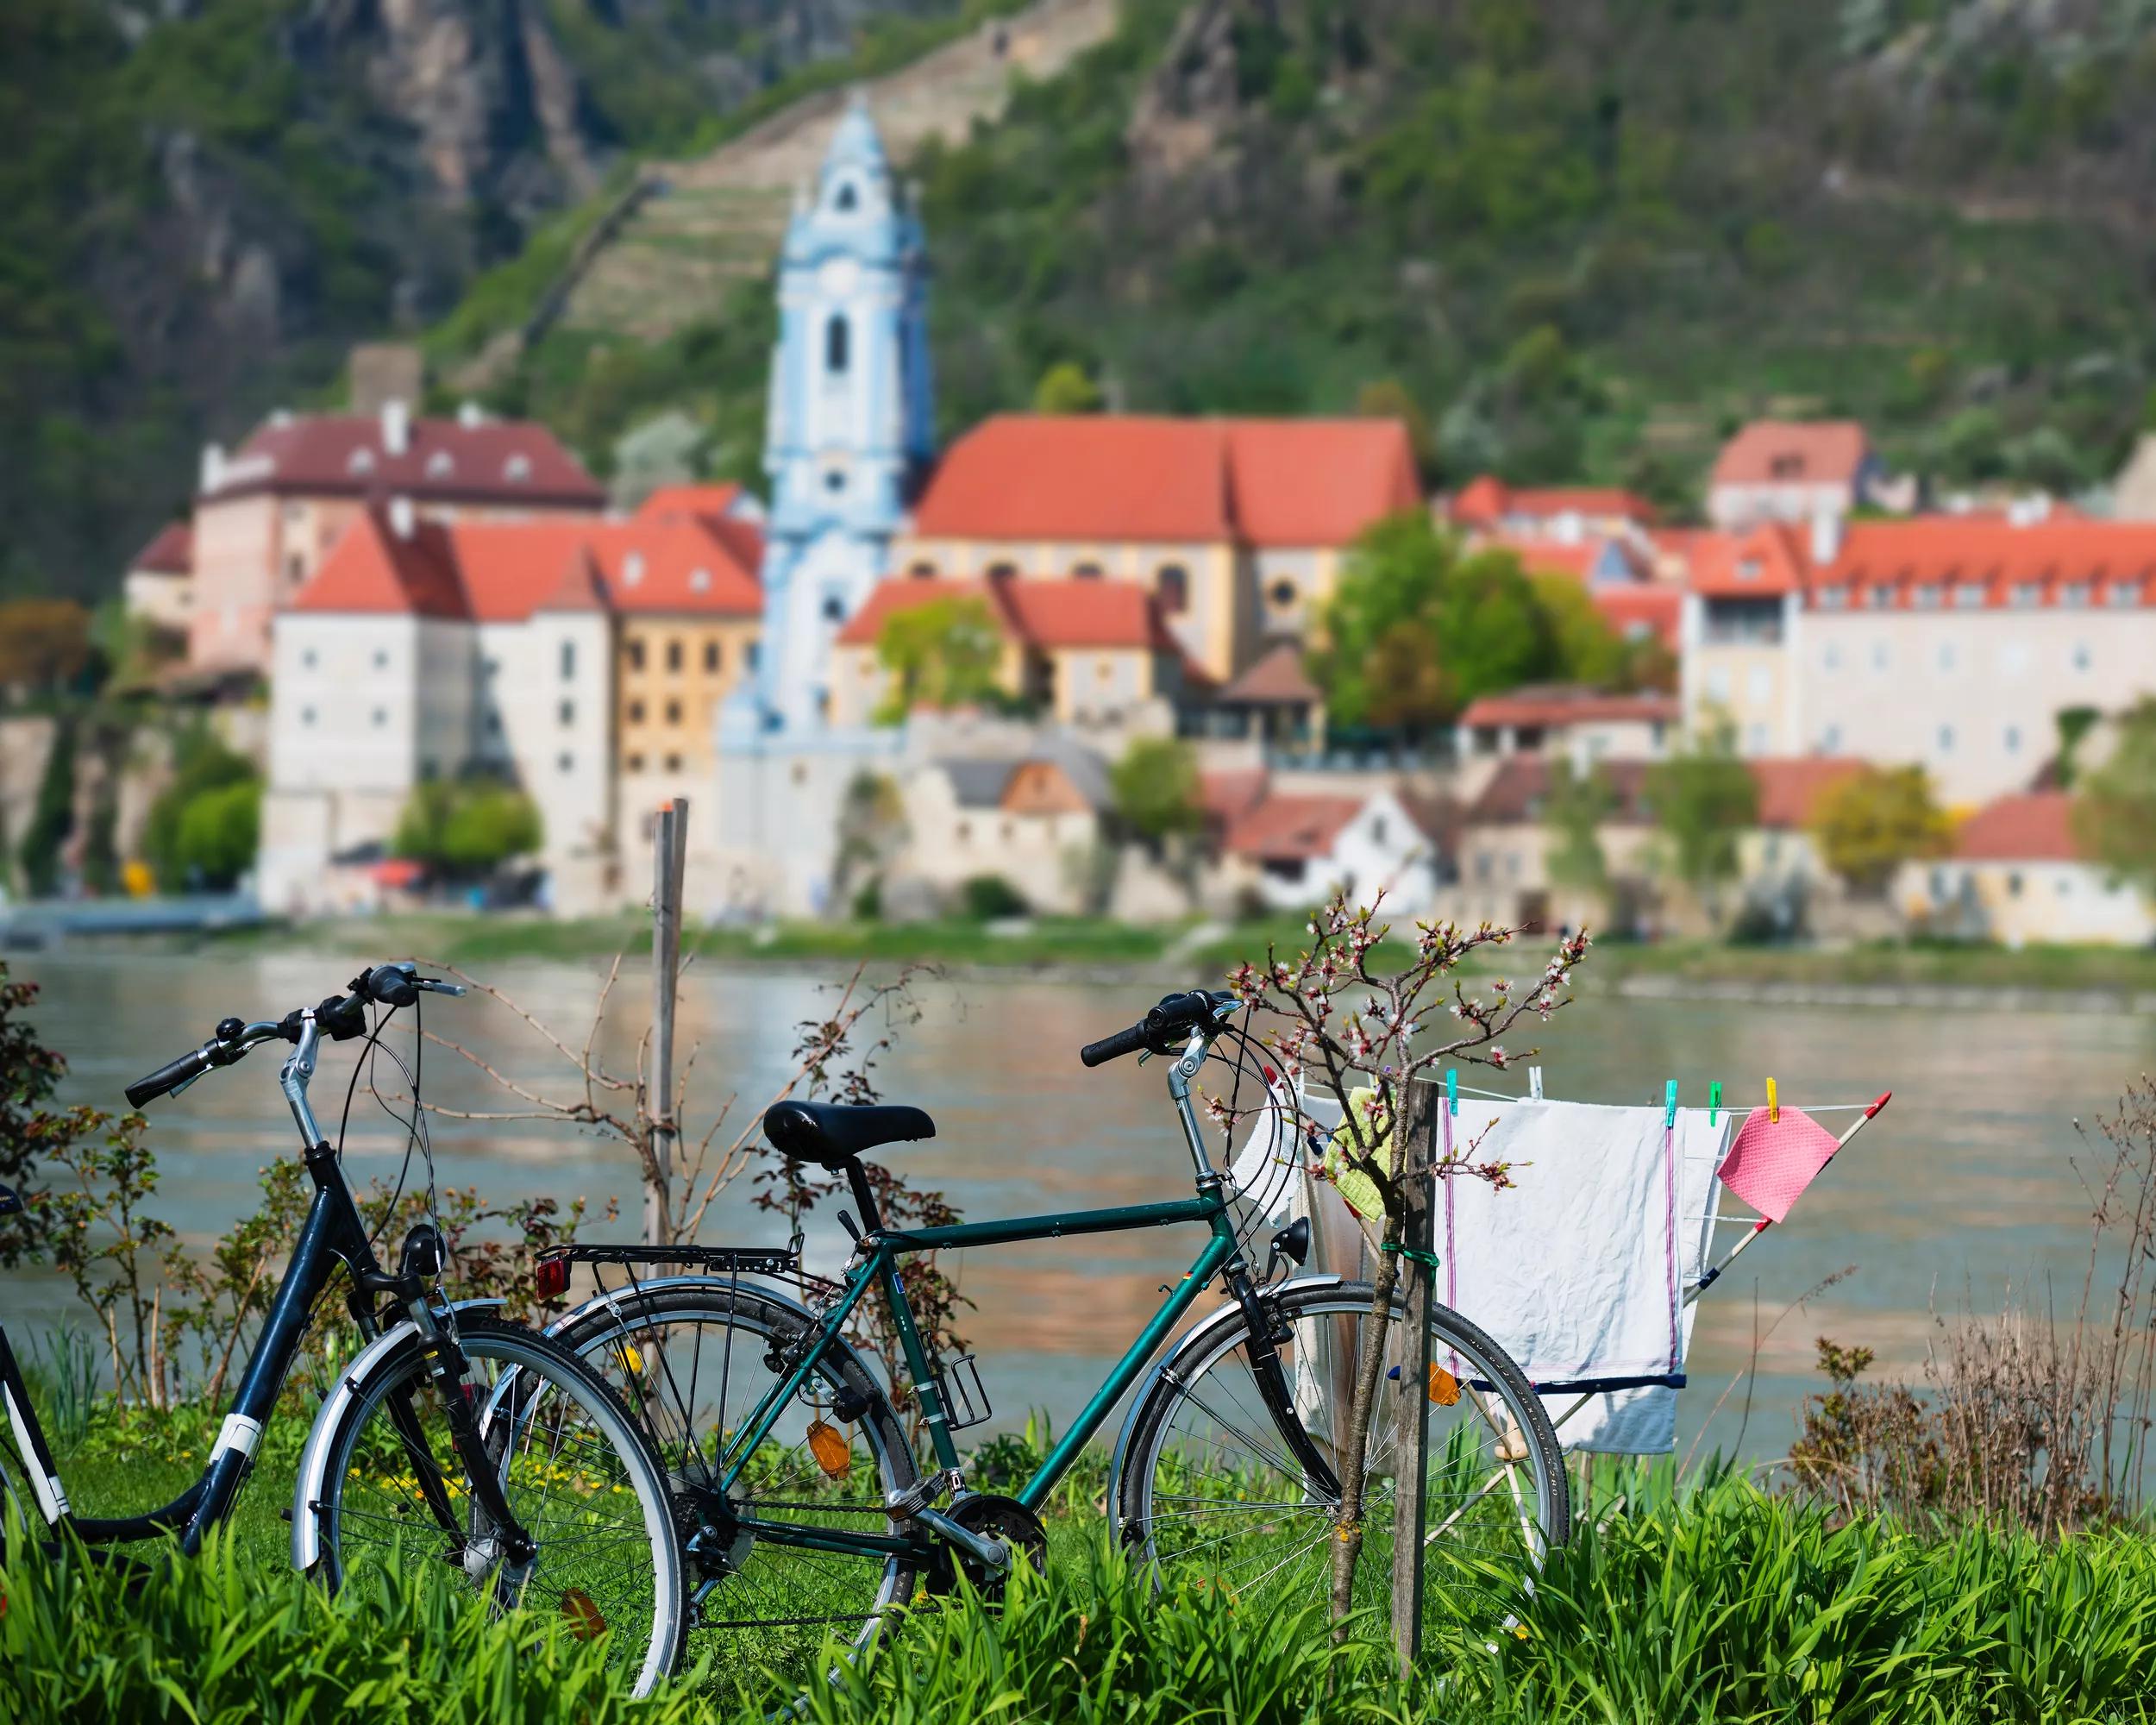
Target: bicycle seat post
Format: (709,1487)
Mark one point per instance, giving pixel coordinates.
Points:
(1179,1077)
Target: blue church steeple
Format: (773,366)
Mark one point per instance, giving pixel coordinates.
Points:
(851,415)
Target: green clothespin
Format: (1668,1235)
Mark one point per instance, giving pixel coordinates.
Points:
(1714,1102)
(1452,1089)
(1669,1107)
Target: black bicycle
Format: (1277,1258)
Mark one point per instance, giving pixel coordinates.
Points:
(452,1436)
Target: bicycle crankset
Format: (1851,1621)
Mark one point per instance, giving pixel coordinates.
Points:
(1004,1520)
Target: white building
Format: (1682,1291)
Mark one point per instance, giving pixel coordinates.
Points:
(2019,876)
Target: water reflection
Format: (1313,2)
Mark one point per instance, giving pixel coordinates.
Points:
(1962,1186)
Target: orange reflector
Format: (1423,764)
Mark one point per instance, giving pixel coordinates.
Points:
(586,1622)
(1444,1389)
(829,1445)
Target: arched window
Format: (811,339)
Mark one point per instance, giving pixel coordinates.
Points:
(847,198)
(837,340)
(1174,587)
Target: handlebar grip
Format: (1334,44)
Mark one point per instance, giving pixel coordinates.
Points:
(1113,1047)
(190,1066)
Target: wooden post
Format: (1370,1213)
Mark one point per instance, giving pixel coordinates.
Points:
(1411,1432)
(670,851)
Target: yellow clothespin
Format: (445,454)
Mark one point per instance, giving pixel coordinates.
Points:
(1774,1106)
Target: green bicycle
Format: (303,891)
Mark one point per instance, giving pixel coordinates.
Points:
(810,1513)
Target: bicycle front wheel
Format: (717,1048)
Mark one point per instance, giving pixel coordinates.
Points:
(575,1472)
(1212,1494)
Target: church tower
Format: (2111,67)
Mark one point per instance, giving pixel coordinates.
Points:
(851,416)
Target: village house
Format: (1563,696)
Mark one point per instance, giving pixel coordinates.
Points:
(1235,528)
(1568,515)
(1288,849)
(2019,876)
(269,514)
(158,588)
(1563,721)
(1792,470)
(581,660)
(1035,820)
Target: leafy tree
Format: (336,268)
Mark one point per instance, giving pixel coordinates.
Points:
(2074,723)
(463,828)
(1156,789)
(1390,399)
(1417,629)
(1704,798)
(1065,387)
(986,897)
(52,816)
(1868,824)
(202,765)
(29,1073)
(943,653)
(2114,807)
(1576,806)
(218,832)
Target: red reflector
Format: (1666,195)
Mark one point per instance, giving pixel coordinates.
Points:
(550,1275)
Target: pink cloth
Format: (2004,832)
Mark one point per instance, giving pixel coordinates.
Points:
(1773,1161)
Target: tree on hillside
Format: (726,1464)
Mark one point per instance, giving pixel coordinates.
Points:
(1066,387)
(1576,806)
(1417,629)
(2114,805)
(1704,798)
(1868,824)
(203,769)
(1155,785)
(943,653)
(466,828)
(1390,399)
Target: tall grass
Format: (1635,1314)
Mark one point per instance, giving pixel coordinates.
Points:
(1715,1602)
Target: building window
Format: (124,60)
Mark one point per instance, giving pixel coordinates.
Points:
(1946,739)
(1882,655)
(846,199)
(568,712)
(493,723)
(2014,739)
(751,653)
(1085,572)
(2082,657)
(295,567)
(381,717)
(634,763)
(307,659)
(674,763)
(1833,598)
(712,657)
(673,655)
(1927,597)
(2074,593)
(673,713)
(635,655)
(835,479)
(837,344)
(568,660)
(2014,885)
(1946,655)
(965,831)
(1283,594)
(834,609)
(381,659)
(1830,739)
(564,763)
(632,568)
(2122,594)
(1832,657)
(307,715)
(922,571)
(636,712)
(1969,596)
(1174,582)
(2027,593)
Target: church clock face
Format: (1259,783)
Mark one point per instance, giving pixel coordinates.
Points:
(839,277)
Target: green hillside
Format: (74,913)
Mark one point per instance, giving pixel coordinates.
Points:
(1580,238)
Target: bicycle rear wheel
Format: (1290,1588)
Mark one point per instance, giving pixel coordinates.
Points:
(1210,1494)
(576,1472)
(693,1359)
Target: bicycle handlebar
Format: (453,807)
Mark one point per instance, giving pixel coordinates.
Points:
(1175,1017)
(340,1017)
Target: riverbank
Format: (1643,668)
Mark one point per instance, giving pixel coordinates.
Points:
(1927,974)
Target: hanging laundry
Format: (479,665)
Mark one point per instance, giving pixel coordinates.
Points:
(1772,1161)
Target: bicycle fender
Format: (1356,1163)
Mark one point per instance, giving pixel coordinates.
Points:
(1196,1339)
(314,1457)
(600,1304)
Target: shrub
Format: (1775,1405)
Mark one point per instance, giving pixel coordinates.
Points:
(202,766)
(986,897)
(467,827)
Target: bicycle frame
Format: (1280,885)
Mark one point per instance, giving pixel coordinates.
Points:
(875,1265)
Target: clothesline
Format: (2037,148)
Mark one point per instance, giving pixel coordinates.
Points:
(1656,1102)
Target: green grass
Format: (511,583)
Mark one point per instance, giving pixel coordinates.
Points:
(1707,1602)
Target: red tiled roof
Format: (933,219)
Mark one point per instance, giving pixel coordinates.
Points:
(1648,608)
(170,552)
(2035,827)
(1053,615)
(582,585)
(1229,793)
(1792,452)
(1561,703)
(1487,501)
(1941,560)
(1790,784)
(689,499)
(1117,477)
(343,454)
(1516,791)
(1760,563)
(503,571)
(1285,827)
(1276,678)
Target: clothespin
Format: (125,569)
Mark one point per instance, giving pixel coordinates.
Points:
(1451,1091)
(1534,1083)
(1774,1106)
(1669,1107)
(1714,1102)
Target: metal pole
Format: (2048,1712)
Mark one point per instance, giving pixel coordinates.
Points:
(669,854)
(1419,1145)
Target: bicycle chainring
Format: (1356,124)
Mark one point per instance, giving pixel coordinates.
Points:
(1003,1518)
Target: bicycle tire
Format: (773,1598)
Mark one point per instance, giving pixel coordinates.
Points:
(1207,1484)
(567,1449)
(656,1345)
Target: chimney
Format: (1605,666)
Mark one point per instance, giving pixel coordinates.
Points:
(1825,537)
(400,517)
(396,428)
(212,467)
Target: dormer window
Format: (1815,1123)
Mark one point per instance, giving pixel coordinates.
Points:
(699,580)
(362,462)
(517,467)
(1969,596)
(1748,568)
(632,568)
(2123,593)
(439,465)
(1927,597)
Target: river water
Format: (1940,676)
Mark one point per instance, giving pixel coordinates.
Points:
(1965,1185)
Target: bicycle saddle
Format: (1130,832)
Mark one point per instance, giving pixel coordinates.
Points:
(831,1133)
